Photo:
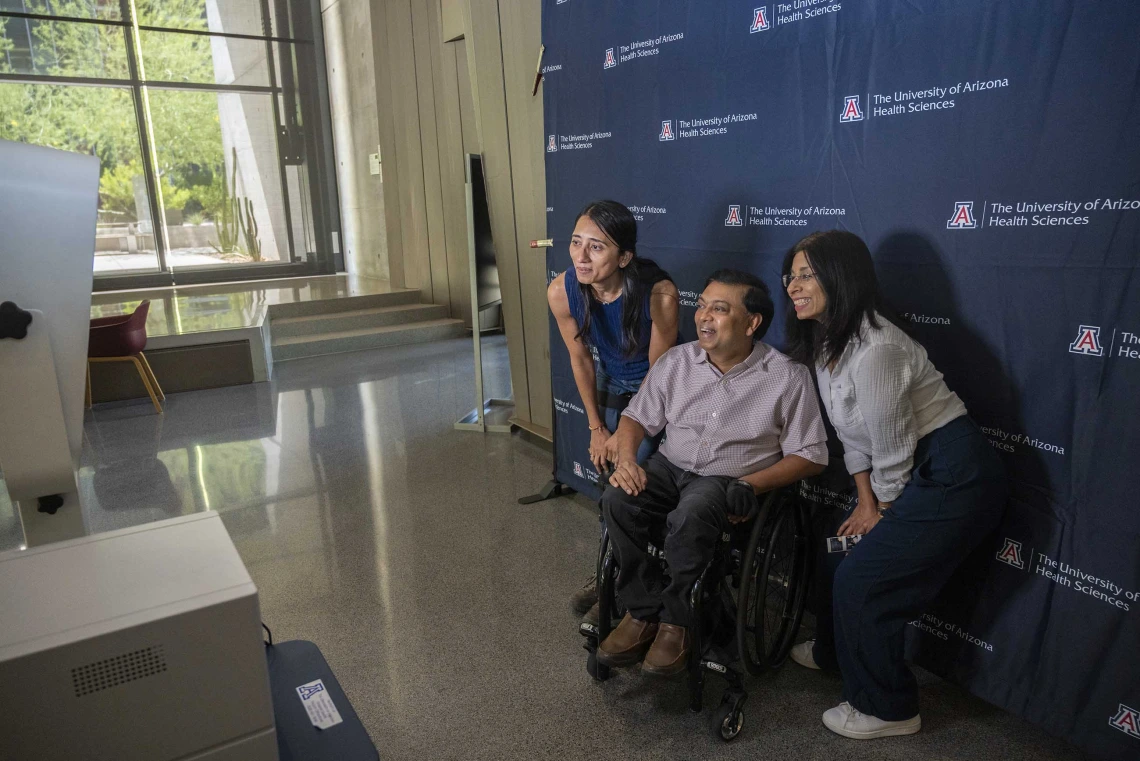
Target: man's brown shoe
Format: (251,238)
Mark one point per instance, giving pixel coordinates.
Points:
(669,653)
(627,644)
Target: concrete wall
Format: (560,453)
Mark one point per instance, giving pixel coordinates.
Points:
(451,77)
(356,134)
(422,93)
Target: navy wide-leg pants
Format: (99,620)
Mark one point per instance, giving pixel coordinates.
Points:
(955,497)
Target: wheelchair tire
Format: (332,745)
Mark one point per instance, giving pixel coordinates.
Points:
(773,588)
(727,720)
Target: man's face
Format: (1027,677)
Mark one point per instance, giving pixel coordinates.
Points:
(723,324)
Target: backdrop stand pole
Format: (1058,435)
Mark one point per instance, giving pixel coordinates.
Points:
(554,487)
(489,415)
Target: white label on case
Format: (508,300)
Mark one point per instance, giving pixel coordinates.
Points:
(322,712)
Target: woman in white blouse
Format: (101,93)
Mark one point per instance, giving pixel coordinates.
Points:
(930,487)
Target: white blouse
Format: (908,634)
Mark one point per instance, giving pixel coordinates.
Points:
(882,397)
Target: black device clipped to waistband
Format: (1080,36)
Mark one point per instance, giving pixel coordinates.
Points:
(613,401)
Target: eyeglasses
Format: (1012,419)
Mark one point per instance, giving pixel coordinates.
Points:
(787,280)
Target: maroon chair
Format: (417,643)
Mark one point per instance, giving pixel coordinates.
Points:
(122,338)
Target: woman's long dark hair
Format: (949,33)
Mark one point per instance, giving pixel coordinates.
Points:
(638,277)
(844,270)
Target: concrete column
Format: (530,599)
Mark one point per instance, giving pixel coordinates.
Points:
(356,134)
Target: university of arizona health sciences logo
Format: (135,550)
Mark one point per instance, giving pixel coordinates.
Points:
(1127,720)
(610,60)
(1010,553)
(551,144)
(1087,341)
(760,20)
(733,218)
(963,217)
(578,470)
(667,132)
(851,110)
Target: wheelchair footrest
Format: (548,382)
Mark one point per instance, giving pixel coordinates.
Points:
(719,668)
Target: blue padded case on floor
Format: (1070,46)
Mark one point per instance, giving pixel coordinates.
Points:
(298,662)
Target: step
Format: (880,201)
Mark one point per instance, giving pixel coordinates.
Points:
(343,304)
(297,347)
(335,322)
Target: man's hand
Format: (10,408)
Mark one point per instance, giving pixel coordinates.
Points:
(610,451)
(622,446)
(740,500)
(599,441)
(629,477)
(862,519)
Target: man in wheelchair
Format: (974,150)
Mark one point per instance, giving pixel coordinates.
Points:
(740,418)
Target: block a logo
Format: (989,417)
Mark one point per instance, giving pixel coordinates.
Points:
(551,145)
(851,110)
(1011,554)
(578,469)
(1127,720)
(307,691)
(759,20)
(963,218)
(610,60)
(733,219)
(667,131)
(1087,341)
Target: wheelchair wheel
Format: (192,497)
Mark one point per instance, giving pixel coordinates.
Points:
(728,719)
(773,588)
(597,670)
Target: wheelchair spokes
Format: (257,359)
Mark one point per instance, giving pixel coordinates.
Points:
(773,588)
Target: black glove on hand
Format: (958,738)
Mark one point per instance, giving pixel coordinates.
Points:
(740,497)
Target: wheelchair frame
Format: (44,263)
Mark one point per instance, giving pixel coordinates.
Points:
(780,520)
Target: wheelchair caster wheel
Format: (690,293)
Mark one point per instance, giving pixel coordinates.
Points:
(727,720)
(599,671)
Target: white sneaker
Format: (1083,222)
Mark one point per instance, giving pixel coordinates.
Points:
(847,721)
(801,654)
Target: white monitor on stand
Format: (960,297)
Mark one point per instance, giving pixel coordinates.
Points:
(140,644)
(48,206)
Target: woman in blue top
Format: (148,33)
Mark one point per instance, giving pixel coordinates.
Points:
(619,305)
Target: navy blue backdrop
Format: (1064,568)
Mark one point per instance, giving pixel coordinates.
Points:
(987,152)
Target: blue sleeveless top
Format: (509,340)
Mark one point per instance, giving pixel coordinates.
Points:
(606,333)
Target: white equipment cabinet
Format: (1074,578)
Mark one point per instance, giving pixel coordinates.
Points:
(142,644)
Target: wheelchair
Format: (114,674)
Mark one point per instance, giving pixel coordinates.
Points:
(745,608)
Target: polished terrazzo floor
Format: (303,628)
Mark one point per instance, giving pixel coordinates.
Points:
(180,310)
(395,543)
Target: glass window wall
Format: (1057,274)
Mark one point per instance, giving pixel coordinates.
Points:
(206,171)
(99,121)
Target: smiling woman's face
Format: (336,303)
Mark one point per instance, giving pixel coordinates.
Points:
(806,293)
(596,258)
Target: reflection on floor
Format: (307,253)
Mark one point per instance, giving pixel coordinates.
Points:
(225,306)
(395,543)
(124,261)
